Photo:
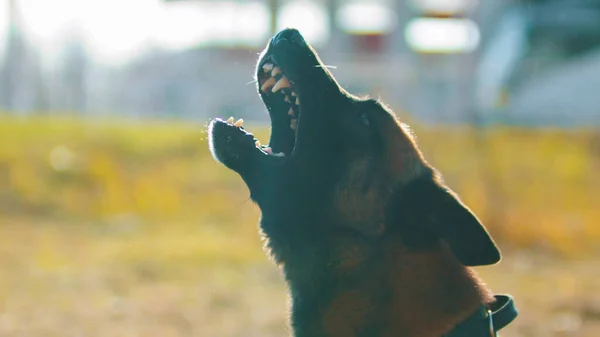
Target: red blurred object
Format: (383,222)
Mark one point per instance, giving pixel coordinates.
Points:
(370,43)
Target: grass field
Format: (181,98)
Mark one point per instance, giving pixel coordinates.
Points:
(132,229)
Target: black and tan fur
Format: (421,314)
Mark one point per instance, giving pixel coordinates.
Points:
(371,241)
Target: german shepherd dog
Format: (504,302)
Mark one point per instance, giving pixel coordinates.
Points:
(370,240)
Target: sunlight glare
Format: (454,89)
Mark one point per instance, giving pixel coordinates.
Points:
(233,23)
(178,26)
(119,29)
(116,31)
(44,20)
(427,35)
(366,18)
(113,29)
(445,6)
(308,17)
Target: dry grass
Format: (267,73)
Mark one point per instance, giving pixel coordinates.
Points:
(133,230)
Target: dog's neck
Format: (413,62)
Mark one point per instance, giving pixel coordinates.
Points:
(402,293)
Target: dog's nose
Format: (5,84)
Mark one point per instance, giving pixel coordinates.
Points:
(291,35)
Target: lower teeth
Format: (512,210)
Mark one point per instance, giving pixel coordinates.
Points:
(269,151)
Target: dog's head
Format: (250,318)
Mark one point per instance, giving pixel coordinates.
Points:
(343,158)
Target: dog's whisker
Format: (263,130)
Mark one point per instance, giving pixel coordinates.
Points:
(326,66)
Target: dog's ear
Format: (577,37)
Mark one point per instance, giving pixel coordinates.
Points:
(456,224)
(426,210)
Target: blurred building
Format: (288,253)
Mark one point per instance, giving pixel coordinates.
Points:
(541,63)
(369,47)
(473,61)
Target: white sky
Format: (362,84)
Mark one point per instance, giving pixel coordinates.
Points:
(116,30)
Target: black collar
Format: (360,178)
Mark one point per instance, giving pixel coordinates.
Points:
(486,322)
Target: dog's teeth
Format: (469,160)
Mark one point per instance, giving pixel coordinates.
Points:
(287,92)
(257,143)
(287,99)
(276,71)
(294,94)
(297,101)
(291,112)
(230,120)
(269,151)
(282,83)
(293,124)
(268,83)
(267,67)
(239,123)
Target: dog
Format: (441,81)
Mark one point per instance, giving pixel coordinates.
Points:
(370,239)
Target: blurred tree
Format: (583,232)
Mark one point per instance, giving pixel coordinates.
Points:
(73,74)
(14,51)
(20,73)
(273,10)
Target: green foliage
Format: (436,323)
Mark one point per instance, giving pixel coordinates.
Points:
(532,188)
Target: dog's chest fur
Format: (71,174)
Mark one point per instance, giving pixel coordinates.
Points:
(345,285)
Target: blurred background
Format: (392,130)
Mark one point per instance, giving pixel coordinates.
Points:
(116,221)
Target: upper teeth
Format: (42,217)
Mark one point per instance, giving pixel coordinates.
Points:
(270,151)
(269,83)
(278,82)
(267,67)
(282,83)
(274,82)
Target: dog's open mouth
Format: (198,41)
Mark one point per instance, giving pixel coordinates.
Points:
(283,102)
(290,82)
(281,98)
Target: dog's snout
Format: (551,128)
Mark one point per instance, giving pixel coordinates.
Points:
(290,35)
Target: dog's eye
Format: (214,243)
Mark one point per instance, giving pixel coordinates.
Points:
(364,119)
